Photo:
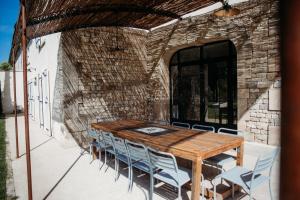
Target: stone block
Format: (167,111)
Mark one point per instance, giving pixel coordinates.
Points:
(274,135)
(261,138)
(274,99)
(243,93)
(263,106)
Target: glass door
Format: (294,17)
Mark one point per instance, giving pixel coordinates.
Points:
(203,85)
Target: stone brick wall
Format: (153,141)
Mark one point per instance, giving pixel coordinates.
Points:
(255,33)
(100,80)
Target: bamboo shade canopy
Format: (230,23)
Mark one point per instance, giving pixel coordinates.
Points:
(51,16)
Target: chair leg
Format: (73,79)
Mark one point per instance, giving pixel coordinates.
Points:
(232,190)
(105,157)
(129,177)
(202,187)
(91,153)
(100,151)
(271,196)
(179,193)
(151,189)
(215,191)
(116,168)
(100,158)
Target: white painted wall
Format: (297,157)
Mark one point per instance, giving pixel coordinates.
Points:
(41,61)
(6,78)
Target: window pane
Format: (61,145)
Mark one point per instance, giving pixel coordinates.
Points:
(191,54)
(190,93)
(216,87)
(215,50)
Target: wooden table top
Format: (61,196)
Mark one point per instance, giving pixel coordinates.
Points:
(185,143)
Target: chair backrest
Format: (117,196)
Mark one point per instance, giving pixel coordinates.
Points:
(162,160)
(181,125)
(264,163)
(203,127)
(137,151)
(229,131)
(93,134)
(107,138)
(119,145)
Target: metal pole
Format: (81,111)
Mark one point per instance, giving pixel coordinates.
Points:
(290,137)
(26,121)
(15,105)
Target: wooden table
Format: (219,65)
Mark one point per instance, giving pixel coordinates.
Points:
(184,143)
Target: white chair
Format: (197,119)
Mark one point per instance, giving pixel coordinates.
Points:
(222,159)
(170,173)
(250,180)
(229,131)
(108,145)
(94,143)
(201,127)
(139,159)
(121,154)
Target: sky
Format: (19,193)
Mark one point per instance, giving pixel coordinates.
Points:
(9,10)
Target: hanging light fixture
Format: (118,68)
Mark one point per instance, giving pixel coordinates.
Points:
(227,10)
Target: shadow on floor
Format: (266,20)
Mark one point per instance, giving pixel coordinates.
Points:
(63,176)
(142,181)
(38,146)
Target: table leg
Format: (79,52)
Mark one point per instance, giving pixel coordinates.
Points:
(240,155)
(196,181)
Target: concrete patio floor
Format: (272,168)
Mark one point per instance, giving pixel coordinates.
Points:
(63,171)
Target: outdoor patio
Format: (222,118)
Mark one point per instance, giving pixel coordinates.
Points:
(107,74)
(64,171)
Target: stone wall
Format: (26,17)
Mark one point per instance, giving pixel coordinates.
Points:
(104,77)
(119,73)
(255,33)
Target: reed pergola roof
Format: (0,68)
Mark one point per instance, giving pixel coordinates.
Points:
(51,16)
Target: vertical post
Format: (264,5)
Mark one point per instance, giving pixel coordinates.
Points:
(26,121)
(290,137)
(15,105)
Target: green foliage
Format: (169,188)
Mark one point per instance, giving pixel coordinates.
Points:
(5,66)
(3,169)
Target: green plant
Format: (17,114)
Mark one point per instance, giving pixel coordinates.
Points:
(5,66)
